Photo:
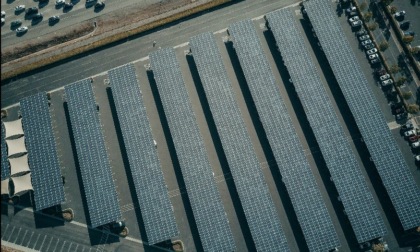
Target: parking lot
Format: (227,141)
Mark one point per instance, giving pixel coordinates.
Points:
(20,230)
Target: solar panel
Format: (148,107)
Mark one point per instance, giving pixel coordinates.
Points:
(354,193)
(95,168)
(304,193)
(212,223)
(389,161)
(42,152)
(145,167)
(257,203)
(5,167)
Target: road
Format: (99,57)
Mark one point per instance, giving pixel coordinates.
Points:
(68,18)
(96,62)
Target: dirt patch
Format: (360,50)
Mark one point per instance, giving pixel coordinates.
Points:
(12,52)
(7,249)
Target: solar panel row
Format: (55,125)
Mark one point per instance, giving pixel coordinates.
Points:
(145,167)
(5,167)
(357,200)
(391,166)
(210,217)
(95,168)
(42,153)
(301,186)
(249,180)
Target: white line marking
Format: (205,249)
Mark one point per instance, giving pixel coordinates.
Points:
(29,241)
(37,240)
(62,247)
(11,233)
(23,239)
(181,45)
(49,244)
(17,236)
(42,244)
(5,231)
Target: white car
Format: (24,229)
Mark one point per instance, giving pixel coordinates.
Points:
(372,51)
(22,29)
(415,145)
(20,8)
(2,20)
(417,158)
(60,2)
(384,77)
(355,18)
(373,56)
(409,133)
(356,23)
(367,41)
(350,9)
(387,82)
(364,37)
(399,14)
(3,13)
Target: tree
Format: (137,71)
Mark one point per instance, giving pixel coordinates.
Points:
(383,45)
(372,26)
(413,108)
(415,50)
(408,39)
(386,2)
(407,95)
(394,69)
(393,9)
(367,16)
(401,81)
(363,6)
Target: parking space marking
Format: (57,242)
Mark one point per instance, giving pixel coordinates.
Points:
(62,247)
(11,233)
(29,241)
(42,244)
(55,248)
(23,239)
(37,240)
(49,244)
(5,231)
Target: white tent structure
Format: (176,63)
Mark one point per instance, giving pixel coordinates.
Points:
(19,165)
(13,128)
(22,184)
(5,187)
(16,146)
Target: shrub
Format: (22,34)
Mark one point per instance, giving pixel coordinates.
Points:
(413,108)
(407,95)
(415,50)
(372,26)
(386,2)
(408,39)
(394,69)
(383,45)
(393,9)
(401,81)
(367,16)
(363,6)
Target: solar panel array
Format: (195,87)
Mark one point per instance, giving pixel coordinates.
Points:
(304,193)
(344,169)
(5,167)
(95,168)
(42,152)
(249,180)
(145,167)
(389,161)
(207,207)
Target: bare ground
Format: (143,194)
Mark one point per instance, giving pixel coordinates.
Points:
(105,23)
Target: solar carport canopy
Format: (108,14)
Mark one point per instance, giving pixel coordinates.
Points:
(297,176)
(209,214)
(42,152)
(354,193)
(389,161)
(145,167)
(244,165)
(95,168)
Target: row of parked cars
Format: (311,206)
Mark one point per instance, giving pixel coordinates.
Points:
(412,135)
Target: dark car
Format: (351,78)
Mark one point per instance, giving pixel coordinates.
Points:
(54,19)
(37,16)
(16,23)
(404,25)
(90,2)
(361,33)
(32,10)
(117,226)
(68,5)
(408,126)
(99,5)
(409,33)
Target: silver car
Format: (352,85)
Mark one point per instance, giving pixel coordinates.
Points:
(373,56)
(384,77)
(387,82)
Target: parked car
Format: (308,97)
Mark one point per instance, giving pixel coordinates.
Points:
(384,77)
(361,33)
(415,145)
(372,51)
(3,14)
(407,126)
(353,19)
(100,5)
(54,19)
(31,10)
(22,30)
(3,20)
(409,133)
(414,138)
(16,23)
(399,14)
(367,41)
(20,8)
(401,116)
(364,37)
(68,5)
(375,61)
(380,71)
(387,82)
(409,33)
(417,158)
(398,111)
(404,25)
(60,2)
(356,23)
(350,9)
(90,2)
(368,46)
(373,56)
(37,16)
